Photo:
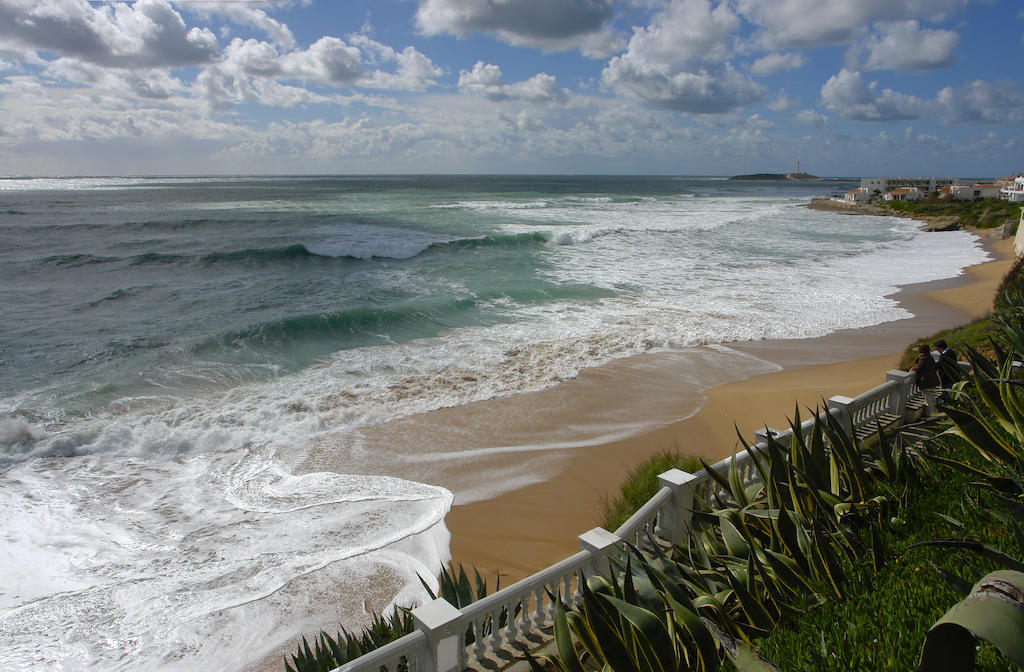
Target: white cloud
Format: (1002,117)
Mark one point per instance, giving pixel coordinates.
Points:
(414,71)
(328,60)
(550,25)
(855,100)
(686,32)
(904,45)
(485,80)
(250,68)
(679,62)
(812,23)
(781,102)
(149,33)
(153,84)
(245,14)
(982,102)
(812,118)
(778,62)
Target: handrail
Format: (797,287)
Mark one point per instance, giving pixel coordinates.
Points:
(512,604)
(389,656)
(538,579)
(644,518)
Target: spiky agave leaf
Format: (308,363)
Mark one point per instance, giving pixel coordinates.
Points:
(994,611)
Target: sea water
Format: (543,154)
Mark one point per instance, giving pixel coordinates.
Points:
(172,347)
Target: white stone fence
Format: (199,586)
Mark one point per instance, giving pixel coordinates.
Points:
(512,618)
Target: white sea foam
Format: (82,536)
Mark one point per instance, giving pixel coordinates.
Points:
(493,205)
(201,561)
(576,236)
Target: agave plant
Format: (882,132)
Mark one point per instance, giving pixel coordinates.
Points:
(459,591)
(767,548)
(993,423)
(330,652)
(638,625)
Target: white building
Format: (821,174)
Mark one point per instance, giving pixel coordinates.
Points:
(926,184)
(859,195)
(973,192)
(904,194)
(1013,190)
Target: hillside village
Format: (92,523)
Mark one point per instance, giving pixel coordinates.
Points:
(916,188)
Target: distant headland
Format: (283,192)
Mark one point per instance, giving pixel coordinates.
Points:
(776,176)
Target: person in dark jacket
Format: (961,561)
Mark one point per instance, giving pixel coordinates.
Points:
(949,370)
(927,377)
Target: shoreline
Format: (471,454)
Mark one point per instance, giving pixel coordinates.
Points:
(527,528)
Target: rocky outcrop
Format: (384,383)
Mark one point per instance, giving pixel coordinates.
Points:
(947,223)
(931,223)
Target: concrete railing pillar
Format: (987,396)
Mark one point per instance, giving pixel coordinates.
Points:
(443,625)
(676,519)
(905,379)
(761,435)
(839,407)
(602,546)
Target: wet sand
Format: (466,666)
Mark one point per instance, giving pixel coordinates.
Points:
(523,530)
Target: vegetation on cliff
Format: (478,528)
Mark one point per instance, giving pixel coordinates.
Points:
(981,214)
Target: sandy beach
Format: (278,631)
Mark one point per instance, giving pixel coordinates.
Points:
(527,528)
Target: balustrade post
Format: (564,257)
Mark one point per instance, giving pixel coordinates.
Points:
(444,627)
(761,435)
(839,407)
(905,379)
(601,544)
(676,519)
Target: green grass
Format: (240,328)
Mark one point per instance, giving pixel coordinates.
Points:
(974,334)
(882,620)
(986,214)
(641,484)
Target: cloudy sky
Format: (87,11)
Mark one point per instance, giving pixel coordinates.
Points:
(699,87)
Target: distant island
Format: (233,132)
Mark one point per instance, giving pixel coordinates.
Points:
(776,176)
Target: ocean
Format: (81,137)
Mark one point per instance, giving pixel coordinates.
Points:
(173,349)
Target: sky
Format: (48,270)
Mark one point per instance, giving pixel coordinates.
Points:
(688,87)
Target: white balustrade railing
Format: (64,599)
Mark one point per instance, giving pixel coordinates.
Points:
(504,621)
(644,522)
(498,620)
(872,404)
(405,652)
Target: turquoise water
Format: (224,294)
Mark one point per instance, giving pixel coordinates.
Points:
(170,346)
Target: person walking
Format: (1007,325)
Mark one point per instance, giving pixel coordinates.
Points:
(927,372)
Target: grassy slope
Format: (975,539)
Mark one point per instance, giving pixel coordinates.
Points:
(881,623)
(987,214)
(641,484)
(974,334)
